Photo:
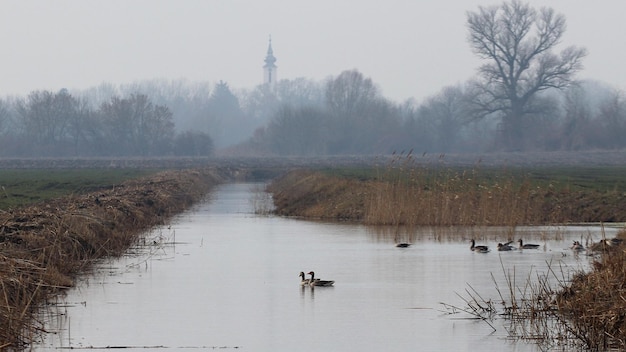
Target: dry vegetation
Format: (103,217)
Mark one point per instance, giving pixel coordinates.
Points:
(441,198)
(595,302)
(44,246)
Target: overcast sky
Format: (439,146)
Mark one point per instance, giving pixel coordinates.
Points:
(410,48)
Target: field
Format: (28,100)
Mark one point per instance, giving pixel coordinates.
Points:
(20,187)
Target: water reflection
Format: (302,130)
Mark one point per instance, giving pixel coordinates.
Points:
(223,277)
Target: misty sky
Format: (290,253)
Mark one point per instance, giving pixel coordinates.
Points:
(409,48)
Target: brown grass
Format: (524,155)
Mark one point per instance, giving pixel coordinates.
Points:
(423,197)
(595,302)
(44,246)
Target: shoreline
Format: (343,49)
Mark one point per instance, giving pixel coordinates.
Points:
(45,246)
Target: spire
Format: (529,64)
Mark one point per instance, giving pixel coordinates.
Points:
(269,58)
(269,69)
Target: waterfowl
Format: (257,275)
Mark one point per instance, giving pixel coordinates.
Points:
(317,282)
(613,241)
(304,280)
(577,246)
(527,246)
(403,245)
(480,249)
(505,247)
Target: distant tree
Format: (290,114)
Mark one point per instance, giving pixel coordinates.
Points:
(612,118)
(517,42)
(350,94)
(227,124)
(135,126)
(445,115)
(193,143)
(4,116)
(45,118)
(356,109)
(298,131)
(576,122)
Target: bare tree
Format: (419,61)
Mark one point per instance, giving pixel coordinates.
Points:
(517,42)
(135,126)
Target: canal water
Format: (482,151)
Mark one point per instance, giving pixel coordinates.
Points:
(222,277)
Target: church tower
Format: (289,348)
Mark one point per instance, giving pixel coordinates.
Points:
(269,69)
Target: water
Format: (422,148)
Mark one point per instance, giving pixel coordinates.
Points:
(222,277)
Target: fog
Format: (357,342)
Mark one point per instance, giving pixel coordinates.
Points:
(158,78)
(412,49)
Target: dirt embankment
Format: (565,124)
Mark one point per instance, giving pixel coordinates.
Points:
(43,247)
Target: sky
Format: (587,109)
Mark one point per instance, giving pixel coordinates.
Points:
(409,48)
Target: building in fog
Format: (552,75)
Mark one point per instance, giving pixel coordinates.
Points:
(269,69)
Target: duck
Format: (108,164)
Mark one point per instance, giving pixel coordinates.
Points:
(403,245)
(317,282)
(480,249)
(505,247)
(527,246)
(304,280)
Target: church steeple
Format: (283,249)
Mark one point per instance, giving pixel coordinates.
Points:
(269,69)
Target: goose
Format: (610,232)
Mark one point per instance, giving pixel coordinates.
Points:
(613,242)
(577,246)
(480,249)
(505,247)
(304,281)
(527,246)
(317,282)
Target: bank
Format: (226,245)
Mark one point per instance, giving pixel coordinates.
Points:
(44,246)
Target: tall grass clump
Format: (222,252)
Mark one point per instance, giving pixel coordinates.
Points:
(594,303)
(45,245)
(412,194)
(409,192)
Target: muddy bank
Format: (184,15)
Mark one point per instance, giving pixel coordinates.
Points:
(44,246)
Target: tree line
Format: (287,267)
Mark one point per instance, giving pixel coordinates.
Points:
(49,124)
(523,98)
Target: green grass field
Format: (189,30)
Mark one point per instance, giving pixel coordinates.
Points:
(20,187)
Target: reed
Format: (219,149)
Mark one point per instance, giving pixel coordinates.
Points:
(45,245)
(409,193)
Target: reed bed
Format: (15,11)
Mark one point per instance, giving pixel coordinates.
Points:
(44,246)
(407,193)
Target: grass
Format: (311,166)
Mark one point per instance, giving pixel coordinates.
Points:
(19,187)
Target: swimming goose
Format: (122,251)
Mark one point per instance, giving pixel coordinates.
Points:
(317,282)
(304,281)
(613,241)
(527,246)
(577,246)
(480,249)
(505,247)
